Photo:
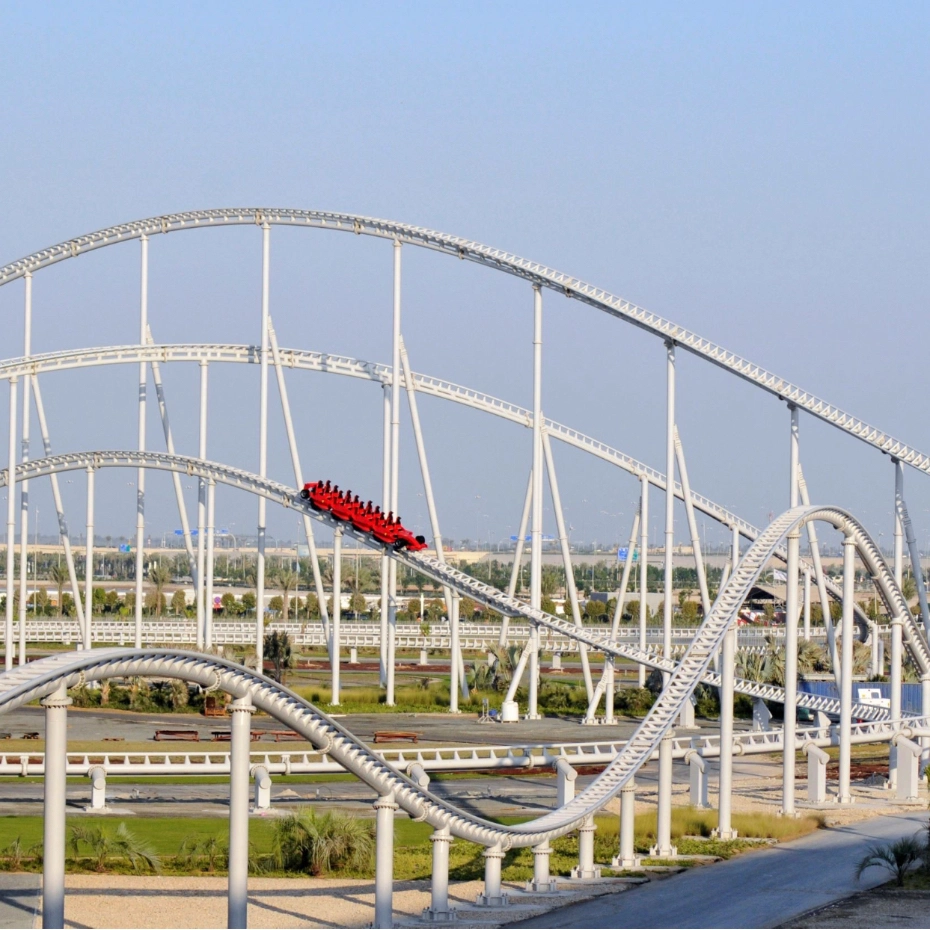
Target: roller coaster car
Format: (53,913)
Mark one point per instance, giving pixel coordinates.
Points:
(319,495)
(406,540)
(342,507)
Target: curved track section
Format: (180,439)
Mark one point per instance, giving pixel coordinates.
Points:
(492,597)
(381,374)
(466,249)
(35,680)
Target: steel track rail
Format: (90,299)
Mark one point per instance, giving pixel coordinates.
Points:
(466,249)
(374,371)
(465,584)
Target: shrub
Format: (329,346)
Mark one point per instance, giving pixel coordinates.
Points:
(898,858)
(634,701)
(305,841)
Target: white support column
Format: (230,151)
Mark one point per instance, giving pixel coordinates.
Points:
(395,467)
(669,503)
(627,859)
(262,779)
(89,553)
(817,761)
(517,566)
(54,787)
(11,530)
(493,896)
(240,744)
(565,785)
(385,506)
(199,581)
(211,537)
(62,522)
(140,472)
(262,450)
(439,909)
(697,777)
(98,788)
(848,638)
(586,870)
(335,649)
(24,485)
(725,829)
(384,861)
(536,530)
(298,478)
(791,630)
(542,881)
(643,570)
(897,623)
(566,559)
(454,653)
(807,605)
(734,548)
(663,848)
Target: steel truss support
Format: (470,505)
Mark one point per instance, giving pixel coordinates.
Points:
(140,473)
(385,502)
(262,449)
(169,446)
(211,536)
(566,559)
(897,623)
(335,649)
(821,580)
(848,638)
(532,712)
(24,485)
(199,585)
(457,659)
(791,627)
(692,523)
(517,566)
(11,530)
(89,552)
(83,623)
(643,570)
(395,468)
(298,477)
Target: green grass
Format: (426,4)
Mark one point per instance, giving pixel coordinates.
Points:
(412,849)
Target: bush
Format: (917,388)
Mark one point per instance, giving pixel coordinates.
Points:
(305,841)
(898,858)
(636,702)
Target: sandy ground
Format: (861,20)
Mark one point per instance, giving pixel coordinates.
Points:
(883,907)
(156,901)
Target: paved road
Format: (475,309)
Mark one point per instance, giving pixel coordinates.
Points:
(761,889)
(19,900)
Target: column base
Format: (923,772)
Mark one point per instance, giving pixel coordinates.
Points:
(589,721)
(844,800)
(718,834)
(635,863)
(510,712)
(670,853)
(586,875)
(792,813)
(532,716)
(439,917)
(495,900)
(549,887)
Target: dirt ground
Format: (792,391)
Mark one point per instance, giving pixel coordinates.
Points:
(883,907)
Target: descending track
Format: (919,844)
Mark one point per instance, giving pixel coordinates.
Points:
(761,551)
(37,679)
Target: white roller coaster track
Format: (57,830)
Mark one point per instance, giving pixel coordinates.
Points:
(492,597)
(38,679)
(374,371)
(466,249)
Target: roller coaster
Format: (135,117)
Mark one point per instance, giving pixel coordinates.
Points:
(708,658)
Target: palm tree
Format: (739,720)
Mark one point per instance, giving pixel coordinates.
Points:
(59,577)
(897,857)
(286,581)
(305,841)
(159,575)
(105,845)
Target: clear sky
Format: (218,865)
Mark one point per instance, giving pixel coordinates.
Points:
(755,172)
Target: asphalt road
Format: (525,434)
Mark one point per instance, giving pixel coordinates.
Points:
(768,888)
(19,900)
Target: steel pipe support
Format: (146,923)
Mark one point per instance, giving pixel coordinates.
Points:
(240,727)
(439,910)
(384,861)
(54,789)
(586,870)
(492,896)
(627,858)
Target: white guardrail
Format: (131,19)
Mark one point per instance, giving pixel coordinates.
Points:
(443,759)
(474,636)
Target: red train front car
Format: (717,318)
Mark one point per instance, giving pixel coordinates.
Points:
(366,518)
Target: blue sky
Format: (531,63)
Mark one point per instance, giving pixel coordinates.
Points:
(754,172)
